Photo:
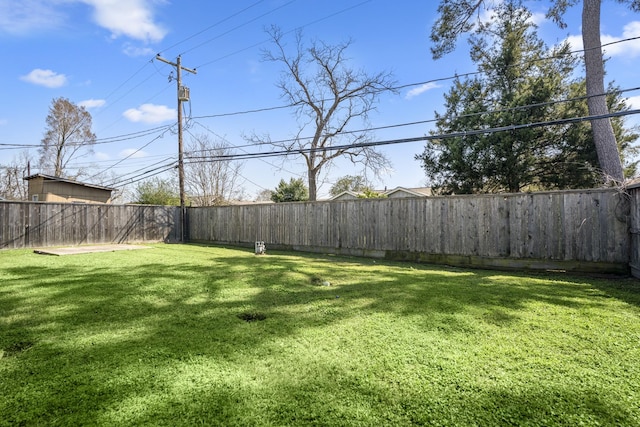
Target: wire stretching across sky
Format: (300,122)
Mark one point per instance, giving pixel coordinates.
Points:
(408,85)
(286,32)
(115,139)
(472,132)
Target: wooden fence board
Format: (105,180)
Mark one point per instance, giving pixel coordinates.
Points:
(38,224)
(572,227)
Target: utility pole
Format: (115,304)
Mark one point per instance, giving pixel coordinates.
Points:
(183,95)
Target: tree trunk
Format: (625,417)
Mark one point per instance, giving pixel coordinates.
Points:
(603,136)
(313,174)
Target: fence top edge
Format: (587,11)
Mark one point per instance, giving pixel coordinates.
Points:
(437,197)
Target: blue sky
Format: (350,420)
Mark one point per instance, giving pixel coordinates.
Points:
(100,54)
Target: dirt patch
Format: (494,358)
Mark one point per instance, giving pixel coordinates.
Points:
(74,250)
(252,316)
(15,348)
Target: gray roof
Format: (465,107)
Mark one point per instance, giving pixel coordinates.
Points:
(69,181)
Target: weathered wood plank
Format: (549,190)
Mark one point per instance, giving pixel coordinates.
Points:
(570,226)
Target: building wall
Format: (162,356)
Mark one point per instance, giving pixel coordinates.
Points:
(65,192)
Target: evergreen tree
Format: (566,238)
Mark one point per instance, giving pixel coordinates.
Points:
(519,85)
(293,191)
(457,17)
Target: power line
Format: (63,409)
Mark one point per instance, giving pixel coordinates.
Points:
(242,149)
(404,86)
(124,137)
(212,26)
(472,132)
(145,175)
(287,32)
(107,140)
(130,155)
(238,27)
(414,123)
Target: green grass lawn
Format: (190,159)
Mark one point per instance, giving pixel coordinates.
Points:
(188,335)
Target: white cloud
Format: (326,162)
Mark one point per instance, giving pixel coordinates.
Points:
(135,51)
(45,78)
(575,42)
(26,16)
(538,18)
(628,49)
(634,102)
(133,153)
(130,18)
(150,114)
(102,156)
(92,103)
(421,89)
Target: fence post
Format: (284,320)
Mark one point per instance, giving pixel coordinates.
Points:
(634,229)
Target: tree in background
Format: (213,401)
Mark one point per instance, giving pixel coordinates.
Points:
(12,184)
(518,86)
(208,176)
(68,133)
(576,161)
(329,96)
(355,183)
(368,193)
(293,191)
(157,191)
(456,18)
(264,195)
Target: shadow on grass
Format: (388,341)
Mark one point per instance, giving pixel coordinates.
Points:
(84,343)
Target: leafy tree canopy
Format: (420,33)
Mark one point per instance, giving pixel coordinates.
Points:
(293,191)
(368,193)
(354,183)
(458,17)
(157,191)
(519,84)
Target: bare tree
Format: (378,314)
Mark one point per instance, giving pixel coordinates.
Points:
(329,97)
(68,133)
(208,176)
(263,195)
(12,184)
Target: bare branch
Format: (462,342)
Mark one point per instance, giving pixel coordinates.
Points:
(329,96)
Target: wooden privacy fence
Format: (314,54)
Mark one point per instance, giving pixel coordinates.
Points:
(590,230)
(33,224)
(634,229)
(572,230)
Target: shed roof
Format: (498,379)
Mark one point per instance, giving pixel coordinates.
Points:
(69,181)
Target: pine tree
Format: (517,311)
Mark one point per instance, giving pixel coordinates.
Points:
(522,82)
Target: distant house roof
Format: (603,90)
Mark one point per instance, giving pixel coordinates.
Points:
(345,195)
(408,192)
(70,181)
(395,192)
